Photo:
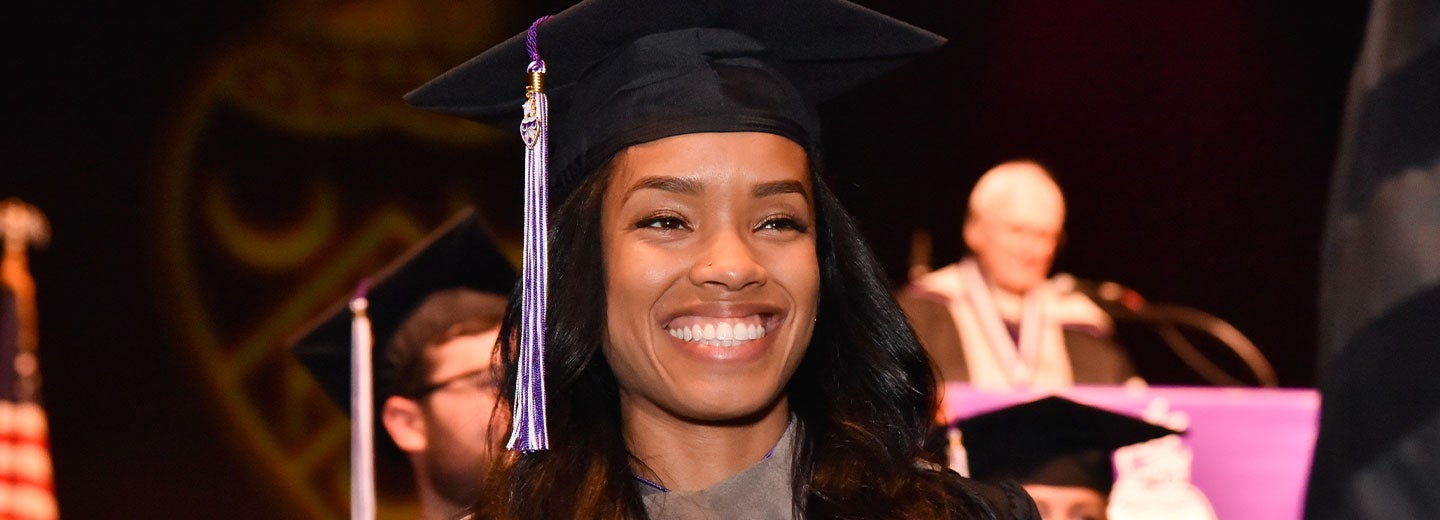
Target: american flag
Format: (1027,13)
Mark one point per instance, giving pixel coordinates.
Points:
(27,490)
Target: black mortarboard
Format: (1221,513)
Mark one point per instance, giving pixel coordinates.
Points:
(615,73)
(460,253)
(622,72)
(1051,441)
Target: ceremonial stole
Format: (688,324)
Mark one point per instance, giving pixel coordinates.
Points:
(996,360)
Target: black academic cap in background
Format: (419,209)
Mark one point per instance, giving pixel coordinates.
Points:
(622,72)
(1051,441)
(458,254)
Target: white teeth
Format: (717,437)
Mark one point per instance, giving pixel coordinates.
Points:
(722,334)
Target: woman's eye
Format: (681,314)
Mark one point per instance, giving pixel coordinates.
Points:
(661,222)
(782,223)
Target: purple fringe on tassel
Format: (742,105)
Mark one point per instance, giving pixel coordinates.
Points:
(528,432)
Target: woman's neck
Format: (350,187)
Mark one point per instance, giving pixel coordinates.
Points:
(690,456)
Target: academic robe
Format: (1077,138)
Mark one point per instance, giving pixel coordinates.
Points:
(1078,348)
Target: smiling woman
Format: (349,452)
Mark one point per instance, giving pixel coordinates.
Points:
(698,238)
(719,341)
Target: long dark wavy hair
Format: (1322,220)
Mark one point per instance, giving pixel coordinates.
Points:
(864,393)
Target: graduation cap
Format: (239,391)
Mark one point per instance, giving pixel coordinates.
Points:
(615,73)
(1051,441)
(458,254)
(622,72)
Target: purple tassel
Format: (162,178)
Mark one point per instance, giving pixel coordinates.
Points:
(527,431)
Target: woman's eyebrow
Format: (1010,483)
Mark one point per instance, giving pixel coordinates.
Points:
(671,184)
(767,189)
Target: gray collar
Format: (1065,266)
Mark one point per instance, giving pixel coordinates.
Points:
(761,491)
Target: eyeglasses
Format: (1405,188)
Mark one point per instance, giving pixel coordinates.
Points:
(481,379)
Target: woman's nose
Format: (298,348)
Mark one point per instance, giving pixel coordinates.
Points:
(728,260)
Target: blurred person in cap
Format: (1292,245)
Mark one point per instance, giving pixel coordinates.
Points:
(1058,449)
(437,313)
(443,357)
(718,341)
(996,319)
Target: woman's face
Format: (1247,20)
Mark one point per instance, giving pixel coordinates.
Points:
(711,275)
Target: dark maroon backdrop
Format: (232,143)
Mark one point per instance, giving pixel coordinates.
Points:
(1194,139)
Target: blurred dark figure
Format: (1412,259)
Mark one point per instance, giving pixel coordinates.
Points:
(436,314)
(1378,451)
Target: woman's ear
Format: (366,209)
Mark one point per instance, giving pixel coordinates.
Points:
(406,424)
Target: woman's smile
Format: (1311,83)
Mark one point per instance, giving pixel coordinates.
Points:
(721,333)
(722,321)
(724,332)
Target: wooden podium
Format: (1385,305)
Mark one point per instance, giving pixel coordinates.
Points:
(1247,450)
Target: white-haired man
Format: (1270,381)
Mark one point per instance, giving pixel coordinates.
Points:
(996,319)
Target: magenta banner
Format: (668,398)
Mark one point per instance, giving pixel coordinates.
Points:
(1246,451)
